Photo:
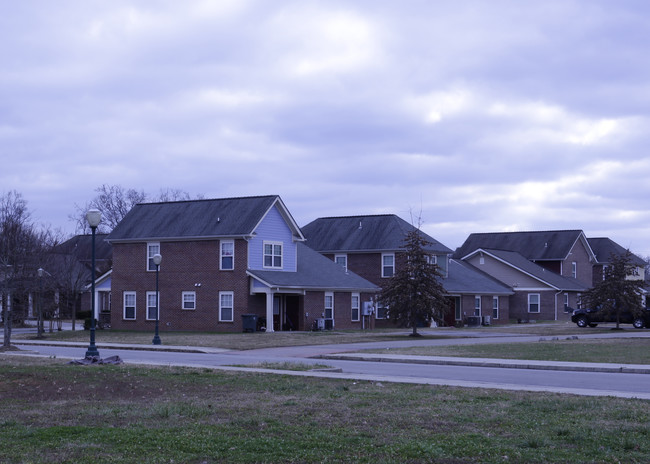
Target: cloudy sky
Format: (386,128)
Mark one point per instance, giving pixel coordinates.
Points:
(477,116)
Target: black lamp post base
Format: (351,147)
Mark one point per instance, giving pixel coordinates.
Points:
(156,340)
(92,351)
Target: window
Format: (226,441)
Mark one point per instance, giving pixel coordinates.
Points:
(566,302)
(495,307)
(533,303)
(341,260)
(189,300)
(431,259)
(129,305)
(355,306)
(227,255)
(152,309)
(477,305)
(387,265)
(574,269)
(382,312)
(152,250)
(226,308)
(273,255)
(329,305)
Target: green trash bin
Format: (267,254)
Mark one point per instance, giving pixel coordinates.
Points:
(249,322)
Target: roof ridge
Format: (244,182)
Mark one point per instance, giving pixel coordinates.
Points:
(199,200)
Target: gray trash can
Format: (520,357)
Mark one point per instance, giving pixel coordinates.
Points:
(249,322)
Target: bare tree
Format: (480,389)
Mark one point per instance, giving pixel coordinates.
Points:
(114,202)
(23,250)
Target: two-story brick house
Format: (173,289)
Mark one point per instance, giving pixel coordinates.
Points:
(548,270)
(373,247)
(222,259)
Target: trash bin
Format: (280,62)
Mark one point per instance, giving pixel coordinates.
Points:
(249,322)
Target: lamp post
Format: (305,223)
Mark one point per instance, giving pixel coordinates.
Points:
(157,258)
(39,323)
(93,216)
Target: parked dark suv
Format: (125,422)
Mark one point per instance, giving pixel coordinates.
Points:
(591,317)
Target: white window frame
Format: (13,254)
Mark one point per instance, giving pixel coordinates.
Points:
(382,312)
(355,307)
(342,260)
(539,303)
(566,302)
(458,308)
(134,305)
(384,265)
(328,305)
(495,307)
(192,300)
(151,253)
(223,307)
(223,255)
(273,255)
(477,305)
(148,307)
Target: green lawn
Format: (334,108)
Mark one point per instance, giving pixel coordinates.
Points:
(53,412)
(620,350)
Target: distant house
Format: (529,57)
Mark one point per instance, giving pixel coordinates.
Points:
(547,270)
(71,263)
(564,252)
(223,259)
(604,249)
(537,293)
(372,246)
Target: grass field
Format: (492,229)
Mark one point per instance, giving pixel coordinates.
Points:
(53,412)
(619,350)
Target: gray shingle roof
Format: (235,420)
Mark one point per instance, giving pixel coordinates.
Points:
(226,217)
(315,272)
(362,233)
(603,248)
(465,278)
(551,245)
(549,277)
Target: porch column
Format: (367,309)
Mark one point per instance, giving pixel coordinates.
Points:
(269,310)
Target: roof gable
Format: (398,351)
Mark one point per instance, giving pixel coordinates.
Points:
(199,219)
(519,263)
(362,234)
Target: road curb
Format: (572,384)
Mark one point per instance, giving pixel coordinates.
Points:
(493,363)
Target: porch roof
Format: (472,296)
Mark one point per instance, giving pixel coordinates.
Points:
(314,272)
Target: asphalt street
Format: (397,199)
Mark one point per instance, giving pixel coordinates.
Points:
(571,378)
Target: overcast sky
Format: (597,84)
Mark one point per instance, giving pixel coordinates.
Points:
(477,116)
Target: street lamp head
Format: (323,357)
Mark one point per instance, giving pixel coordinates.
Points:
(157,258)
(93,216)
(40,271)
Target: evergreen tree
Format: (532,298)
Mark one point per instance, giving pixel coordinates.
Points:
(617,292)
(415,293)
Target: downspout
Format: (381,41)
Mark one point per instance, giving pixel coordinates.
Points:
(559,291)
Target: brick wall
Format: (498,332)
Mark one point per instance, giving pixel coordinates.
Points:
(186,266)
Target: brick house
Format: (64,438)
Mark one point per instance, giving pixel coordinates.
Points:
(222,259)
(372,246)
(537,293)
(564,252)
